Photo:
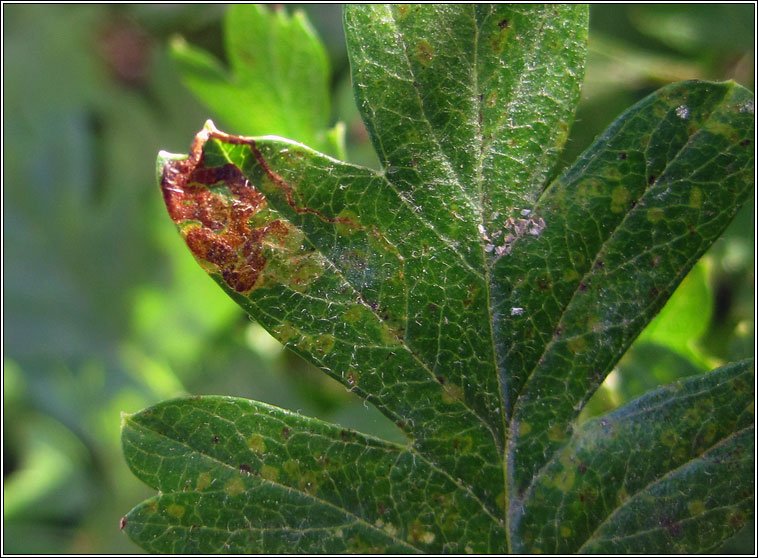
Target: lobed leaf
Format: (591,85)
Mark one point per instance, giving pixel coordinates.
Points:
(624,224)
(237,476)
(649,475)
(278,76)
(475,306)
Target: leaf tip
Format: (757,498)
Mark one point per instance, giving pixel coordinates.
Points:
(124,418)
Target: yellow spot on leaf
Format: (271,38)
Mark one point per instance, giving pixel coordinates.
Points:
(354,314)
(269,473)
(203,481)
(323,344)
(424,52)
(619,199)
(500,500)
(257,443)
(565,480)
(308,482)
(390,529)
(524,428)
(291,467)
(451,393)
(654,214)
(696,198)
(621,496)
(565,532)
(669,438)
(175,510)
(577,345)
(417,533)
(284,332)
(234,486)
(696,507)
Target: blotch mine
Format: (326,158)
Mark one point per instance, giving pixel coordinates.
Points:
(228,225)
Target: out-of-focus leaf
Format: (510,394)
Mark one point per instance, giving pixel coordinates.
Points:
(277,80)
(685,318)
(700,29)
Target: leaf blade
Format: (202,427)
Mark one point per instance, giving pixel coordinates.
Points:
(261,479)
(325,268)
(594,488)
(600,299)
(447,111)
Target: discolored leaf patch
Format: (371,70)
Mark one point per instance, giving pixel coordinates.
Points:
(227,223)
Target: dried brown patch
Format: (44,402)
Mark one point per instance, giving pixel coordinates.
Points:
(221,201)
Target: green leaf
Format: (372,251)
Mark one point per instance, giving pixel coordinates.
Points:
(665,471)
(472,300)
(278,78)
(624,225)
(236,476)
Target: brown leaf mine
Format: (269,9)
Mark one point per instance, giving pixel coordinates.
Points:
(227,224)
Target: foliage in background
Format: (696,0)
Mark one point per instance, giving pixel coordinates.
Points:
(98,291)
(377,310)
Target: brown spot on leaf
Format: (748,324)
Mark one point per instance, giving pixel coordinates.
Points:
(122,523)
(215,206)
(285,433)
(208,246)
(544,283)
(503,24)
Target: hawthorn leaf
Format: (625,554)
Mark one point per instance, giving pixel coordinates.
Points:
(617,486)
(472,299)
(625,224)
(236,476)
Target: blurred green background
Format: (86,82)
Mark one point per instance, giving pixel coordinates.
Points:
(106,311)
